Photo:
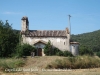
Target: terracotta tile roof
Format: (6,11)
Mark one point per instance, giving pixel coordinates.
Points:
(45,33)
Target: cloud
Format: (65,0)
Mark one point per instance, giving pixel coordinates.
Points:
(12,13)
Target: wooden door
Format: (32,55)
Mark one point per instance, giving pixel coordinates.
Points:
(39,52)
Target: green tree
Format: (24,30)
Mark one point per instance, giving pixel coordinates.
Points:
(8,39)
(84,50)
(48,48)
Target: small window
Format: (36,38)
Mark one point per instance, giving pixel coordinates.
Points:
(64,43)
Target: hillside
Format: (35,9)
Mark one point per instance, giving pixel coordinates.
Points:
(91,40)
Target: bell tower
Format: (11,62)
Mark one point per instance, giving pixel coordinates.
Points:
(25,23)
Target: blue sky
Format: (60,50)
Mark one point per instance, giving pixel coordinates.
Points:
(53,14)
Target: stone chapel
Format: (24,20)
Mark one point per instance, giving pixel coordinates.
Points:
(39,38)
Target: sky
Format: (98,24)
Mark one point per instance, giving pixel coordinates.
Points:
(53,14)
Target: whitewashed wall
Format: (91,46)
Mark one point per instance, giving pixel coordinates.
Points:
(74,49)
(60,42)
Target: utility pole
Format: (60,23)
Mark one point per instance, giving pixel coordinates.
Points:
(69,24)
(69,32)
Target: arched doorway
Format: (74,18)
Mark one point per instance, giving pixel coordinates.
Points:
(40,45)
(39,51)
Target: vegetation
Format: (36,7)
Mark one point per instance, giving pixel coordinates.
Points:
(85,51)
(8,39)
(67,53)
(98,54)
(75,63)
(42,71)
(90,40)
(24,50)
(10,63)
(48,50)
(60,53)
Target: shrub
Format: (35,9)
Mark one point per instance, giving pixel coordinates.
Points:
(98,54)
(75,62)
(55,51)
(48,49)
(24,50)
(63,53)
(67,53)
(10,63)
(60,53)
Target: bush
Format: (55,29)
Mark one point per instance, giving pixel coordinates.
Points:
(55,51)
(75,62)
(24,50)
(48,49)
(10,63)
(60,53)
(98,54)
(67,53)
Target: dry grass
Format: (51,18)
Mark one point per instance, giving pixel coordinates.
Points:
(75,62)
(41,62)
(9,63)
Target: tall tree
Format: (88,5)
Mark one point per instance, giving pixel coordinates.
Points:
(8,39)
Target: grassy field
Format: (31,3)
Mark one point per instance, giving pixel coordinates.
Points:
(36,66)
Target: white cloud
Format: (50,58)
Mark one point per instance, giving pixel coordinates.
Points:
(12,13)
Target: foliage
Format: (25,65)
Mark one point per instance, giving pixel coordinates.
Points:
(64,53)
(67,53)
(24,50)
(57,52)
(60,53)
(75,62)
(91,40)
(85,51)
(8,39)
(98,54)
(48,48)
(10,63)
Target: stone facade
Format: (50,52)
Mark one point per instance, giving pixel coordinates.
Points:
(38,38)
